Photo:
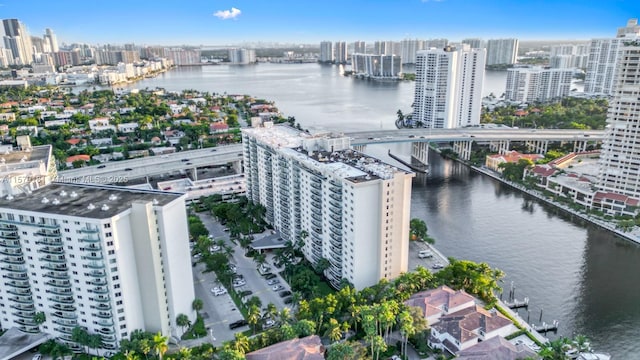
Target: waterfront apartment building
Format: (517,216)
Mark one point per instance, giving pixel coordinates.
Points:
(383,48)
(16,38)
(341,54)
(531,84)
(181,57)
(474,43)
(569,56)
(448,92)
(409,48)
(604,56)
(327,54)
(242,56)
(359,47)
(375,66)
(109,259)
(620,155)
(502,51)
(350,208)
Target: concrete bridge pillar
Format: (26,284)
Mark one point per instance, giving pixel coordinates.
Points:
(579,146)
(420,152)
(501,146)
(463,149)
(537,146)
(360,148)
(195,174)
(237,166)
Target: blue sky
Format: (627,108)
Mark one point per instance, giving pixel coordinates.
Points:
(302,21)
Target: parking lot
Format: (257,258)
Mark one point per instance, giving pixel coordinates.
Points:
(220,311)
(414,261)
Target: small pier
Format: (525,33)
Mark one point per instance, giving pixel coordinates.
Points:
(545,328)
(517,304)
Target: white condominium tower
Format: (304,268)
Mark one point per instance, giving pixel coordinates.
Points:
(620,155)
(604,57)
(409,48)
(376,66)
(359,47)
(17,39)
(528,84)
(353,209)
(448,90)
(327,54)
(340,52)
(104,258)
(502,51)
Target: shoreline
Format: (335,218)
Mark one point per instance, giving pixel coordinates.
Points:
(592,220)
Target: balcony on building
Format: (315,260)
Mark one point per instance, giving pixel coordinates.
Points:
(54,259)
(53,250)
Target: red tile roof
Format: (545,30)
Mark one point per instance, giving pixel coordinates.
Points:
(74,141)
(604,196)
(82,157)
(307,348)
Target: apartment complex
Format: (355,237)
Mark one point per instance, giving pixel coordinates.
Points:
(502,51)
(376,66)
(350,208)
(409,49)
(242,56)
(359,47)
(108,259)
(620,156)
(604,56)
(569,56)
(327,54)
(17,40)
(340,50)
(527,84)
(448,90)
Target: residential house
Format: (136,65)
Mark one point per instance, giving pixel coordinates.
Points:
(57,122)
(156,141)
(128,127)
(218,127)
(493,161)
(163,150)
(102,142)
(173,136)
(74,158)
(87,109)
(306,348)
(100,124)
(8,117)
(435,303)
(76,143)
(462,329)
(497,348)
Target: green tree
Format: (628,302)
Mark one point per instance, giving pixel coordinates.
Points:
(333,330)
(241,343)
(197,305)
(417,229)
(183,321)
(160,345)
(305,327)
(253,317)
(230,354)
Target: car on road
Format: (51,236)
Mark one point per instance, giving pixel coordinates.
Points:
(245,293)
(212,150)
(184,160)
(285,293)
(437,266)
(270,276)
(128,169)
(237,324)
(425,254)
(277,288)
(273,282)
(102,166)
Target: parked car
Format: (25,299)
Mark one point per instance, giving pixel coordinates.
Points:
(288,300)
(218,292)
(237,324)
(270,276)
(37,357)
(284,293)
(437,266)
(239,283)
(245,293)
(214,248)
(273,282)
(268,323)
(425,254)
(277,287)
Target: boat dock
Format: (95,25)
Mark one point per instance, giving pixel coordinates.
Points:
(545,328)
(517,304)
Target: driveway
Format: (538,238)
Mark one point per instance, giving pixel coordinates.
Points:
(414,261)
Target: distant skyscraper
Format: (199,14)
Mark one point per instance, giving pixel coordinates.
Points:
(383,47)
(52,39)
(242,56)
(436,43)
(502,51)
(448,90)
(18,40)
(620,156)
(568,56)
(474,43)
(537,84)
(327,54)
(341,52)
(409,48)
(359,47)
(376,66)
(604,55)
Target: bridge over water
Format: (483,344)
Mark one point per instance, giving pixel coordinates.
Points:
(499,139)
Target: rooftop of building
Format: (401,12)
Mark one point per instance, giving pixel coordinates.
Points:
(83,200)
(11,159)
(307,348)
(348,164)
(439,300)
(465,324)
(497,348)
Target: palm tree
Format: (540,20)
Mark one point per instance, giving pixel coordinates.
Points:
(197,305)
(334,330)
(145,347)
(183,321)
(183,354)
(285,316)
(253,317)
(39,318)
(241,344)
(271,312)
(160,345)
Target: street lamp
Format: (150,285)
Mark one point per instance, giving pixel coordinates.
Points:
(211,334)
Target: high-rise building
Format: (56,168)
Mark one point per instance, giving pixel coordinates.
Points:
(502,51)
(18,40)
(620,154)
(52,40)
(604,57)
(107,258)
(327,55)
(340,50)
(568,56)
(436,43)
(350,208)
(448,91)
(184,57)
(409,49)
(383,48)
(359,47)
(376,66)
(527,84)
(242,56)
(474,43)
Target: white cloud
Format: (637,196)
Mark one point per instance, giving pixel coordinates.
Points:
(227,14)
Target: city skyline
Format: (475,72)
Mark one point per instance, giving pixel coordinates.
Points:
(226,22)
